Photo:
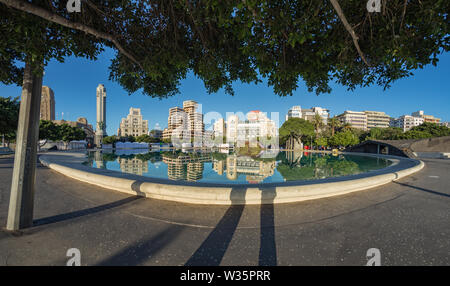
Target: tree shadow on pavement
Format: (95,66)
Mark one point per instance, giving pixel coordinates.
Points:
(80,213)
(424,190)
(213,249)
(143,250)
(267,250)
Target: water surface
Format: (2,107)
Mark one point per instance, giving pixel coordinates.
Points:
(234,168)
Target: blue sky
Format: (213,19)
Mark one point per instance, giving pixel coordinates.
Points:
(74,83)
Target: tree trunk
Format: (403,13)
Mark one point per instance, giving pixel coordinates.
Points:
(21,204)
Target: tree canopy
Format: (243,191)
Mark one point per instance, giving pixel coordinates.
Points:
(295,129)
(159,42)
(343,138)
(64,132)
(9,116)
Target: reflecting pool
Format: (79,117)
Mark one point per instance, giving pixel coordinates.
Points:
(234,168)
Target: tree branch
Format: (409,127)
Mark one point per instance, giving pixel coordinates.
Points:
(349,28)
(403,15)
(52,17)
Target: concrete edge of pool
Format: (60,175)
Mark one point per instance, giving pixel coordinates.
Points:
(70,165)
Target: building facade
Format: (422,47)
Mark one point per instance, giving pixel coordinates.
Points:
(377,119)
(426,118)
(294,112)
(80,123)
(309,113)
(195,116)
(355,119)
(406,122)
(184,122)
(255,128)
(219,128)
(47,104)
(133,124)
(100,131)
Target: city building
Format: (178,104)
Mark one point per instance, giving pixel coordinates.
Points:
(184,121)
(80,123)
(356,119)
(133,124)
(195,116)
(219,128)
(426,118)
(101,114)
(308,114)
(156,133)
(47,111)
(256,127)
(294,112)
(406,122)
(377,119)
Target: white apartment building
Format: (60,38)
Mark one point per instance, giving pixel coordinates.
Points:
(219,128)
(294,112)
(426,118)
(308,114)
(184,121)
(406,122)
(133,124)
(356,119)
(257,126)
(377,119)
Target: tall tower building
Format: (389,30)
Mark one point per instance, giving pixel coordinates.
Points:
(101,114)
(47,104)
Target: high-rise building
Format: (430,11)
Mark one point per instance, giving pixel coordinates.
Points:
(356,119)
(100,131)
(377,119)
(47,104)
(184,121)
(219,128)
(406,122)
(426,118)
(195,116)
(133,124)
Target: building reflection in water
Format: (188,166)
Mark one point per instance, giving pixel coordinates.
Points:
(187,167)
(133,165)
(255,170)
(290,165)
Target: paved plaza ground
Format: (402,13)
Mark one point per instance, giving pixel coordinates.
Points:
(407,220)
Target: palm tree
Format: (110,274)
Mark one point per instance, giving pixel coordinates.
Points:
(346,126)
(317,121)
(334,123)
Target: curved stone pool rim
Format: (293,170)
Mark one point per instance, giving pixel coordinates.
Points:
(70,165)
